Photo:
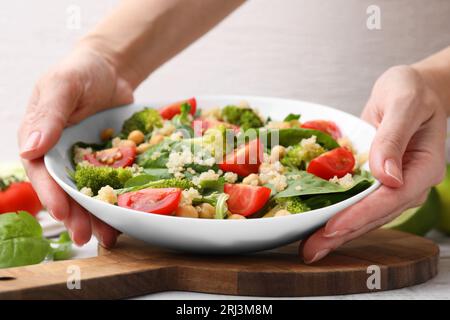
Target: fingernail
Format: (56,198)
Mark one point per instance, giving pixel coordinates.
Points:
(338,233)
(32,142)
(391,169)
(319,255)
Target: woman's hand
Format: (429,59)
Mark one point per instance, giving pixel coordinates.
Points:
(81,85)
(407,156)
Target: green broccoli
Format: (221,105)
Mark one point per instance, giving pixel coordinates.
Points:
(98,177)
(299,156)
(217,200)
(165,183)
(292,204)
(145,120)
(246,118)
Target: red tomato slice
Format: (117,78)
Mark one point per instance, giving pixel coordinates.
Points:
(168,112)
(337,162)
(244,160)
(325,126)
(19,196)
(245,199)
(201,125)
(113,157)
(161,201)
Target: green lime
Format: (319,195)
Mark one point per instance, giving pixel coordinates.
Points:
(419,220)
(444,192)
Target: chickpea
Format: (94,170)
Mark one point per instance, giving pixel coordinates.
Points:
(206,211)
(143,147)
(106,134)
(281,213)
(236,217)
(126,143)
(155,139)
(137,136)
(186,212)
(277,153)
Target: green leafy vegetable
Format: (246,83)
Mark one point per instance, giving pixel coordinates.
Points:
(165,183)
(183,120)
(301,183)
(21,241)
(61,249)
(246,118)
(221,206)
(98,177)
(292,136)
(158,155)
(145,121)
(291,117)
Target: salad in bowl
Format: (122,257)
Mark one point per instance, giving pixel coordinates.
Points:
(230,162)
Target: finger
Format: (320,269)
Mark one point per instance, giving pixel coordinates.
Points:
(78,223)
(49,192)
(106,235)
(50,107)
(391,140)
(318,246)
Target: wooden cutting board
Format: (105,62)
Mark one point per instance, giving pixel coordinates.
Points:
(134,268)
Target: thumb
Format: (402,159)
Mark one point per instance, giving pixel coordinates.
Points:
(50,107)
(388,147)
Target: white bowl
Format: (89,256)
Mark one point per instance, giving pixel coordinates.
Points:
(204,235)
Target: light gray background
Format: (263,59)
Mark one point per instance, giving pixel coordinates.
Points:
(313,50)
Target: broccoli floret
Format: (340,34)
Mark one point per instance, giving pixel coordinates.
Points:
(292,204)
(299,156)
(246,118)
(145,120)
(164,183)
(98,177)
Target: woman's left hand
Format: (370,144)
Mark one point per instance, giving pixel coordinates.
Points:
(407,156)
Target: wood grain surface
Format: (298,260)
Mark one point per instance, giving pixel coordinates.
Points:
(134,268)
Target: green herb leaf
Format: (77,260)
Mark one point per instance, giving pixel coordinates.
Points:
(21,241)
(291,117)
(301,183)
(61,249)
(292,136)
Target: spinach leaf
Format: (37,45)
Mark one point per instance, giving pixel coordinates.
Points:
(292,136)
(324,200)
(61,249)
(157,156)
(302,183)
(140,180)
(291,116)
(21,240)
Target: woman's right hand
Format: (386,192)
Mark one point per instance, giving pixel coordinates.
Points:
(84,83)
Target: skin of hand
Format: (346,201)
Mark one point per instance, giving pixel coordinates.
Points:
(102,72)
(407,156)
(82,84)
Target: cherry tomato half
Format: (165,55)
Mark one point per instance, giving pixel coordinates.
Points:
(245,199)
(170,111)
(325,126)
(244,160)
(337,162)
(19,196)
(113,157)
(161,201)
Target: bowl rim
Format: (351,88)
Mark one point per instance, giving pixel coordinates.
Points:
(48,159)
